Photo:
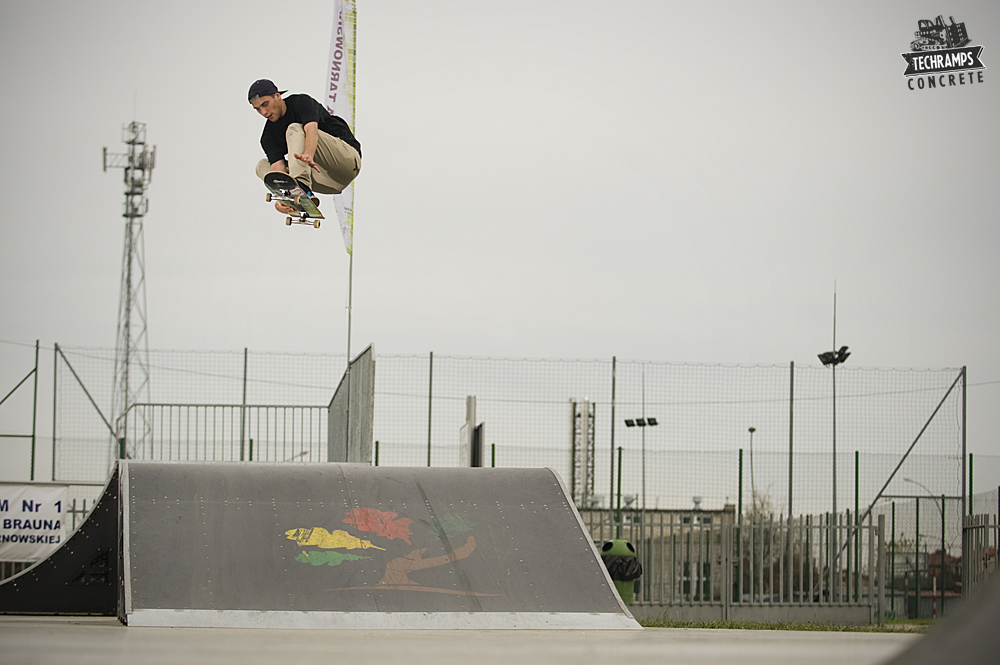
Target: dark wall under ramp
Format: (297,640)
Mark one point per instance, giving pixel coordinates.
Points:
(341,546)
(81,577)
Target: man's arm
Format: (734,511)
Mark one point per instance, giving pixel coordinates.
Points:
(312,139)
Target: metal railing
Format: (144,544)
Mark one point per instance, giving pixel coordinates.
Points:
(980,541)
(225,432)
(711,560)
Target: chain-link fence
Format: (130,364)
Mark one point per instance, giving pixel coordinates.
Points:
(704,413)
(18,412)
(757,437)
(904,425)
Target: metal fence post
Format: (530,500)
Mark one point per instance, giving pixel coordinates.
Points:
(618,529)
(966,551)
(964,393)
(430,404)
(739,535)
(892,564)
(55,402)
(34,413)
(243,408)
(857,524)
(916,559)
(791,563)
(726,532)
(941,611)
(881,570)
(611,493)
(971,508)
(791,421)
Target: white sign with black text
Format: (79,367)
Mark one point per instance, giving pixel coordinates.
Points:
(32,523)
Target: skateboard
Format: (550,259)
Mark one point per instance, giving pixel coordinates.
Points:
(289,192)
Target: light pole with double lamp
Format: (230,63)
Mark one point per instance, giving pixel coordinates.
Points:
(642,423)
(832,359)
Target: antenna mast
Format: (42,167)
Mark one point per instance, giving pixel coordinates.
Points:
(131,349)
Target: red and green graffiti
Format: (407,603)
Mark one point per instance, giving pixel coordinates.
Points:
(381,522)
(389,525)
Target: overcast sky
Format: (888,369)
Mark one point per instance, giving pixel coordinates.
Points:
(650,180)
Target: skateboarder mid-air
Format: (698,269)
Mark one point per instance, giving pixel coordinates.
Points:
(301,138)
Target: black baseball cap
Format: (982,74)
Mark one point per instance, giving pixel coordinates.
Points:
(262,88)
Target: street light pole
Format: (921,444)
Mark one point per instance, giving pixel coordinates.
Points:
(834,372)
(641,423)
(834,358)
(644,527)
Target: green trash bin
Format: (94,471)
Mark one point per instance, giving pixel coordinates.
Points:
(623,567)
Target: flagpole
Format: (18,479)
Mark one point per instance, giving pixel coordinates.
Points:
(350,296)
(350,304)
(340,102)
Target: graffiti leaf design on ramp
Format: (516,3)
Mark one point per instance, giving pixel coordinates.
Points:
(397,571)
(391,526)
(328,540)
(451,524)
(317,558)
(381,522)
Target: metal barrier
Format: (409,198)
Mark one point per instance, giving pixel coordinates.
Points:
(980,540)
(226,432)
(708,565)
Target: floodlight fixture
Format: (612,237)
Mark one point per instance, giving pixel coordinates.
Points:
(642,423)
(834,357)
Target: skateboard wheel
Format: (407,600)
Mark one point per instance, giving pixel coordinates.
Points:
(316,224)
(267,197)
(288,221)
(297,198)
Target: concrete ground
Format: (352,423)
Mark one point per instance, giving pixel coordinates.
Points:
(104,641)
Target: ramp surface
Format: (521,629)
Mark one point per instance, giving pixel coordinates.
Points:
(340,546)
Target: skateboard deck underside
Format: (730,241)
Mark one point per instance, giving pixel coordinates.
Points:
(287,191)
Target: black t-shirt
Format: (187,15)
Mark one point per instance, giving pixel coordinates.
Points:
(303,109)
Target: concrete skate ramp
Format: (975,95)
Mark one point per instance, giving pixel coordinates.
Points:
(341,546)
(967,635)
(81,577)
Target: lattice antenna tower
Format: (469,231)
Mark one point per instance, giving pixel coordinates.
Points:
(582,445)
(131,349)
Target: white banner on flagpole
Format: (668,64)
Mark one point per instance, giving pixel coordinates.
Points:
(32,523)
(340,96)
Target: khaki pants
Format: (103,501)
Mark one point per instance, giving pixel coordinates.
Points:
(339,163)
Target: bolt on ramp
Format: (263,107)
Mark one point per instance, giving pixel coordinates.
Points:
(342,546)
